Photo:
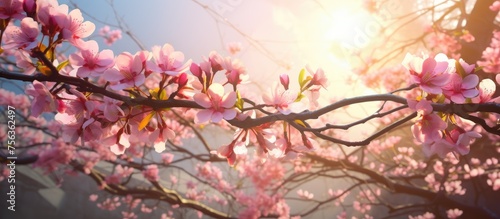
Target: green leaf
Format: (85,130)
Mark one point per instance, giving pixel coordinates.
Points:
(239,101)
(299,97)
(62,65)
(478,68)
(302,75)
(300,122)
(460,69)
(146,120)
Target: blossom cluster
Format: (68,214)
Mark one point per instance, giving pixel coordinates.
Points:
(444,80)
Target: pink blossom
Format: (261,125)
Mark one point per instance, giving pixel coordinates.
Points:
(59,153)
(233,48)
(319,77)
(88,129)
(217,104)
(495,6)
(227,152)
(427,215)
(283,100)
(119,173)
(236,73)
(29,7)
(23,37)
(52,16)
(127,72)
(458,89)
(167,61)
(117,143)
(361,207)
(89,62)
(305,194)
(486,90)
(109,204)
(11,9)
(468,37)
(111,109)
(468,69)
(443,42)
(110,36)
(461,140)
(429,73)
(455,141)
(167,158)
(150,172)
(93,197)
(440,147)
(285,81)
(43,100)
(78,105)
(454,213)
(160,136)
(78,119)
(428,125)
(23,60)
(76,29)
(494,180)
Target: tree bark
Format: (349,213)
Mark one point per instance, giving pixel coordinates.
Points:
(480,23)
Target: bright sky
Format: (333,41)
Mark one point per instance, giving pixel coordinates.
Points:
(287,33)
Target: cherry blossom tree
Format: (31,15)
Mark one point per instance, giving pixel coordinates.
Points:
(138,123)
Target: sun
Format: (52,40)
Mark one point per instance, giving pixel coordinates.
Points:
(346,23)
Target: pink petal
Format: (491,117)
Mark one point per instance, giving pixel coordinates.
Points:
(76,60)
(203,115)
(470,81)
(487,87)
(106,58)
(216,91)
(428,66)
(441,80)
(467,68)
(202,100)
(168,133)
(87,28)
(240,148)
(217,117)
(431,89)
(458,98)
(470,93)
(136,65)
(229,100)
(229,114)
(424,106)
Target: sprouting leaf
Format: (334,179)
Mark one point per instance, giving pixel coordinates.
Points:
(478,68)
(460,69)
(302,74)
(62,65)
(299,97)
(146,120)
(158,95)
(300,122)
(239,101)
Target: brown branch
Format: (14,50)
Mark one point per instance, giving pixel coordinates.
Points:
(441,200)
(159,193)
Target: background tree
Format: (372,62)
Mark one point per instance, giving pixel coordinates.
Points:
(122,118)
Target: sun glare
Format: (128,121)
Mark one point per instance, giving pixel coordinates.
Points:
(345,23)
